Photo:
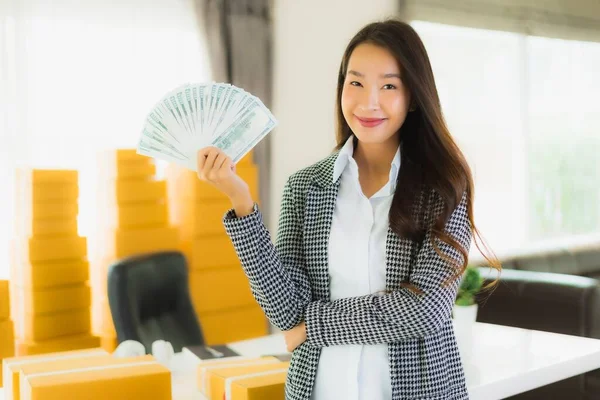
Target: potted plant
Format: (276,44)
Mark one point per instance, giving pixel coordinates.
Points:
(465,308)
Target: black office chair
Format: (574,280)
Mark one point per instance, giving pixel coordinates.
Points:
(149,300)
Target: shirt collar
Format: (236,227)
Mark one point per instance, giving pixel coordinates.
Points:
(345,155)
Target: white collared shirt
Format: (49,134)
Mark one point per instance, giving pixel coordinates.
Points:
(357,267)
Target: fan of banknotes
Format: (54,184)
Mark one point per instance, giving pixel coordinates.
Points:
(194,116)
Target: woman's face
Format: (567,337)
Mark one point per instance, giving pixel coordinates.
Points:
(374,100)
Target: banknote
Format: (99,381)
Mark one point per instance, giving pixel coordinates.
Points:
(196,115)
(238,140)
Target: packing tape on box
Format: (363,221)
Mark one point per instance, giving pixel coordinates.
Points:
(57,357)
(8,364)
(203,376)
(99,368)
(229,381)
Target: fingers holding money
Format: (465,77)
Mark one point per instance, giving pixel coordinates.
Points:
(213,164)
(209,168)
(218,169)
(223,162)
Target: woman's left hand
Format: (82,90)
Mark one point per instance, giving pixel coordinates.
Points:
(295,336)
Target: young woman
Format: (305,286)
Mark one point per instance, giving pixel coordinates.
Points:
(372,240)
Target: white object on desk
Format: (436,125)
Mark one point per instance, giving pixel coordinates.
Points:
(263,346)
(129,348)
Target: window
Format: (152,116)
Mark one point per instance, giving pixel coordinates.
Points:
(564,137)
(525,112)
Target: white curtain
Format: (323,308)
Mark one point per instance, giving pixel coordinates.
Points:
(79,77)
(525,110)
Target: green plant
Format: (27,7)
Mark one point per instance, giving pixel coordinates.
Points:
(470,285)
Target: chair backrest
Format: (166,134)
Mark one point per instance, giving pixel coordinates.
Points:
(149,300)
(560,303)
(582,259)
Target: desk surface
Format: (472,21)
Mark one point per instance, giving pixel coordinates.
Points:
(499,361)
(504,361)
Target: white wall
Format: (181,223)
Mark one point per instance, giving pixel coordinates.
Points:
(310,39)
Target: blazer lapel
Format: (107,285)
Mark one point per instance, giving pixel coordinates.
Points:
(320,205)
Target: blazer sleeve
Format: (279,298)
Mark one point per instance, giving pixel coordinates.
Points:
(277,273)
(402,314)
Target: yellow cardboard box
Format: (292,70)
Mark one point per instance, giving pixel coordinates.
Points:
(205,367)
(109,343)
(247,159)
(48,274)
(211,252)
(51,300)
(66,364)
(36,202)
(12,366)
(233,325)
(111,165)
(200,219)
(44,176)
(268,385)
(220,289)
(64,226)
(134,216)
(125,155)
(29,193)
(217,377)
(101,358)
(4,300)
(42,248)
(184,185)
(126,191)
(39,211)
(59,344)
(209,217)
(48,326)
(7,338)
(138,379)
(126,242)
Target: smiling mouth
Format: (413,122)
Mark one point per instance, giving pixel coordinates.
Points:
(369,119)
(370,122)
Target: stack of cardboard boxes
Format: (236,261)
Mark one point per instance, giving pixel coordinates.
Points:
(50,296)
(7,335)
(218,286)
(132,219)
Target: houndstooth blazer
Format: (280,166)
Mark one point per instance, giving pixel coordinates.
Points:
(290,282)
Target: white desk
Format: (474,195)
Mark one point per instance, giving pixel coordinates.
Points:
(499,361)
(505,361)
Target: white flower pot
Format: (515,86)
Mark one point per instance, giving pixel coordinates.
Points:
(464,317)
(465,314)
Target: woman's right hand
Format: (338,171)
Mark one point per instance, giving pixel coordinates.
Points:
(218,169)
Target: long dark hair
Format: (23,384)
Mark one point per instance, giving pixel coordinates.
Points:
(432,163)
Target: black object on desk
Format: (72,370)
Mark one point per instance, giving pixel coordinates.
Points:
(222,351)
(212,352)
